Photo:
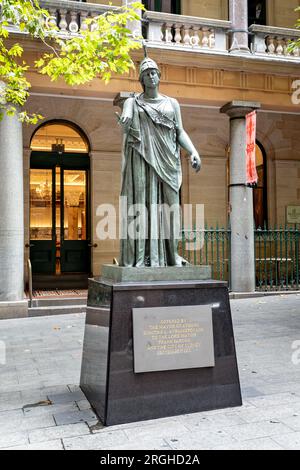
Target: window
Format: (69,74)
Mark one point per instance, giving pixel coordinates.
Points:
(166,6)
(59,137)
(260,192)
(257,12)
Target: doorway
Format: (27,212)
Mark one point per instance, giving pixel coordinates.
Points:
(257,12)
(260,202)
(166,6)
(59,201)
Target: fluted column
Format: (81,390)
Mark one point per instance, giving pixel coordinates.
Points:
(242,256)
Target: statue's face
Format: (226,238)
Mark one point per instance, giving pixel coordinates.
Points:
(150,78)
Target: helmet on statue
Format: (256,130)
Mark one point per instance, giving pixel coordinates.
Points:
(146,64)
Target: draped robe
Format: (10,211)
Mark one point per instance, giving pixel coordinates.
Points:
(151,178)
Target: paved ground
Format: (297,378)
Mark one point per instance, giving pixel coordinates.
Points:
(42,407)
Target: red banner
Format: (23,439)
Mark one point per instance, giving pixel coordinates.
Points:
(251,177)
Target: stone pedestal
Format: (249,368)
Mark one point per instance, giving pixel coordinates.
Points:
(190,272)
(118,389)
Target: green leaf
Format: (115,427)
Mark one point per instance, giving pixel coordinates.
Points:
(76,59)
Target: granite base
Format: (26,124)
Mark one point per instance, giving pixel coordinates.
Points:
(117,394)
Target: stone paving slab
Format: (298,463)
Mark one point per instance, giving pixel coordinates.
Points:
(206,439)
(42,406)
(271,413)
(50,445)
(58,432)
(199,422)
(74,417)
(252,444)
(159,430)
(26,424)
(99,441)
(243,432)
(49,410)
(143,444)
(289,441)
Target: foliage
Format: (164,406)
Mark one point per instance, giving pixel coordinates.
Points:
(100,50)
(295,44)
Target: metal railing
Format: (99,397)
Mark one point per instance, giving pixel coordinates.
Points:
(30,289)
(208,247)
(277,255)
(277,258)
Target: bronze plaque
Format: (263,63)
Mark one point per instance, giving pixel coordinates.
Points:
(169,338)
(293,214)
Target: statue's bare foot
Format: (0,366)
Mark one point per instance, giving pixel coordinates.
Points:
(184,262)
(179,261)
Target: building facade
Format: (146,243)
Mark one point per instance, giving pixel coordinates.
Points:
(210,52)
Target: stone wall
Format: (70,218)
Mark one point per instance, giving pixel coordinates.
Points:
(281,13)
(209,131)
(107,2)
(208,187)
(97,120)
(217,9)
(287,187)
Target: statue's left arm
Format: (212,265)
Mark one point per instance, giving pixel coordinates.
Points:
(184,140)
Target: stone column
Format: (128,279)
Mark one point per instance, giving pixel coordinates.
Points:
(134,26)
(238,15)
(11,210)
(26,179)
(242,255)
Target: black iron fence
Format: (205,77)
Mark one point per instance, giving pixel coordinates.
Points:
(276,254)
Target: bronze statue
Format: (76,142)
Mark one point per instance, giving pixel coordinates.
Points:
(151,173)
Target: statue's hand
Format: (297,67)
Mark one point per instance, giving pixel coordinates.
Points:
(125,121)
(127,114)
(195,161)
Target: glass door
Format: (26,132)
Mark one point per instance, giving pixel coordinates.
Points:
(59,235)
(42,220)
(74,248)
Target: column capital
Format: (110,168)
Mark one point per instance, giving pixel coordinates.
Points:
(239,109)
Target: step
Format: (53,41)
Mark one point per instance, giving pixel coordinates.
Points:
(57,310)
(62,281)
(58,301)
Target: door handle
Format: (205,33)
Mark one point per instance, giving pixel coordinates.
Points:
(29,245)
(93,245)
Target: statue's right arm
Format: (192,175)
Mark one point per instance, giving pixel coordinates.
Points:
(127,114)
